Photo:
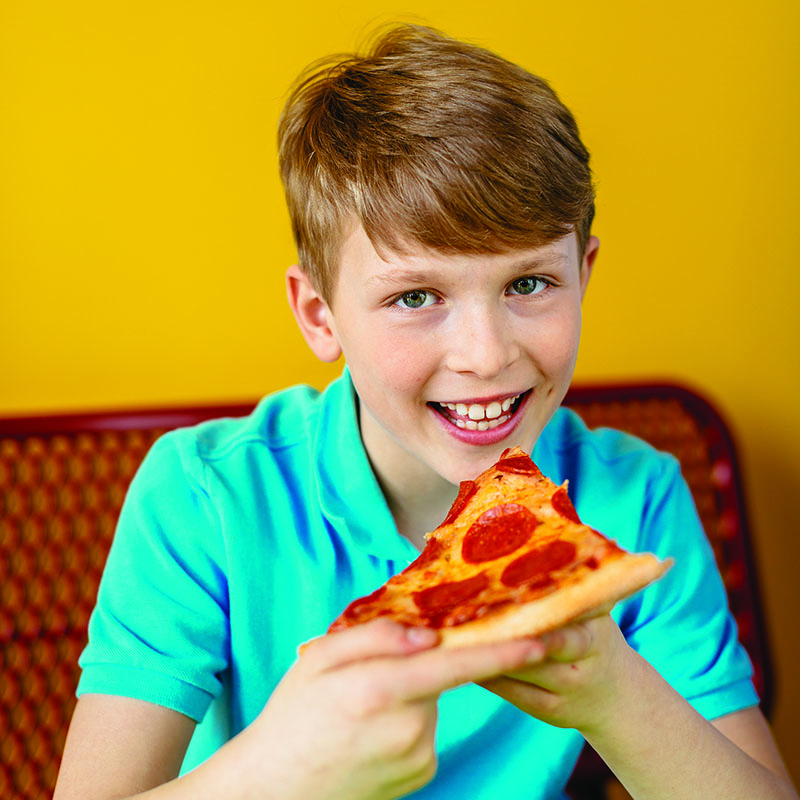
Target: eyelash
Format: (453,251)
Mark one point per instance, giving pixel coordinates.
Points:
(547,285)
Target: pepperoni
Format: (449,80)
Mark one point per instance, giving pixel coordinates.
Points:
(539,563)
(438,601)
(563,505)
(497,532)
(465,491)
(520,464)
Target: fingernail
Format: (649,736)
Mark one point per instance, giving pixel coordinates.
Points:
(420,637)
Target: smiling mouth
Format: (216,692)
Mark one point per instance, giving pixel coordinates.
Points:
(480,416)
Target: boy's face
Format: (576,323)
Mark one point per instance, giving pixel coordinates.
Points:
(456,357)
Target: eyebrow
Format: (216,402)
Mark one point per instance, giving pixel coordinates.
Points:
(544,261)
(432,277)
(405,276)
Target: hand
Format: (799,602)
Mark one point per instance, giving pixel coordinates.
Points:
(355,717)
(581,681)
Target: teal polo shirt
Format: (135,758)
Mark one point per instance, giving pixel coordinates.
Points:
(239,539)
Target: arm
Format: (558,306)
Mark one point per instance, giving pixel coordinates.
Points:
(354,719)
(651,738)
(684,755)
(117,746)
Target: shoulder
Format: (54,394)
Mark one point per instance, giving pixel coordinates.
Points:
(602,453)
(278,430)
(280,420)
(275,465)
(617,481)
(200,489)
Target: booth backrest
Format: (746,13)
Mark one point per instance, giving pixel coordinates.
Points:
(62,482)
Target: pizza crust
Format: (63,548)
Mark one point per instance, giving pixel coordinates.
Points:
(614,580)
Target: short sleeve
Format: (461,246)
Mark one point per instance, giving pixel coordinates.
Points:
(160,629)
(682,624)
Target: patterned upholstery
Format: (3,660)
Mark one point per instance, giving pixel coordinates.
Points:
(62,481)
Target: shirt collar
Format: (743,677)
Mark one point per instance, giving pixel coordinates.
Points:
(348,491)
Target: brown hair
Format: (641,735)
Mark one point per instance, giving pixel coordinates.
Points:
(426,140)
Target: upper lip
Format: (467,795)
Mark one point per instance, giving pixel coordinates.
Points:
(483,401)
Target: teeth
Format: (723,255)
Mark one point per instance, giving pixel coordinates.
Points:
(476,412)
(481,417)
(493,410)
(483,425)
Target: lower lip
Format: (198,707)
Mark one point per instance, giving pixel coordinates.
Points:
(489,436)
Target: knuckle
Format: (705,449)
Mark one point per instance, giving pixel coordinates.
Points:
(549,703)
(575,643)
(368,699)
(405,739)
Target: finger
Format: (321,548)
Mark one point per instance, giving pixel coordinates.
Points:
(523,695)
(430,673)
(380,637)
(571,643)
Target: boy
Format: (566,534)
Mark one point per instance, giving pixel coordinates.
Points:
(441,201)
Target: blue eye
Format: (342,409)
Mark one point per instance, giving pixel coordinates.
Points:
(530,285)
(417,298)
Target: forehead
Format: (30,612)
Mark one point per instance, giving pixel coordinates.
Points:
(360,262)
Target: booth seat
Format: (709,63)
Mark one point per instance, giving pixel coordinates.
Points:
(62,482)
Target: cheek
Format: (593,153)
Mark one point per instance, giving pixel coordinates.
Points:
(396,360)
(554,345)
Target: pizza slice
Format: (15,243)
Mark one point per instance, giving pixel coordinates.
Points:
(510,559)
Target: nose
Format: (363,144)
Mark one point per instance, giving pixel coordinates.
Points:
(481,342)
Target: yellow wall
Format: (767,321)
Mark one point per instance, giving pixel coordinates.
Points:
(143,237)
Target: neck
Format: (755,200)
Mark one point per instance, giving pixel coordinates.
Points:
(418,503)
(417,496)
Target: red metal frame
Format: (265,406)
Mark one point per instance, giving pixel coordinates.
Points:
(167,417)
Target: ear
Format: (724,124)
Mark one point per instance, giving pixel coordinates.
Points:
(589,255)
(312,314)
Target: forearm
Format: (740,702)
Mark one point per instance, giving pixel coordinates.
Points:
(661,749)
(239,770)
(117,784)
